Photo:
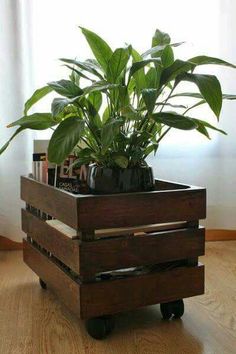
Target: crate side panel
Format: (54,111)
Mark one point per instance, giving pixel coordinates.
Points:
(55,202)
(130,251)
(110,297)
(61,284)
(127,210)
(61,246)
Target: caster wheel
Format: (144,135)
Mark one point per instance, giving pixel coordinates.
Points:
(178,308)
(100,327)
(175,308)
(166,310)
(42,284)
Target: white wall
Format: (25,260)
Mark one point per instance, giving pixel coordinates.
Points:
(15,86)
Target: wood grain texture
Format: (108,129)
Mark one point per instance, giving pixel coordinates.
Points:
(118,210)
(210,235)
(88,300)
(220,235)
(58,203)
(133,209)
(33,322)
(8,245)
(153,248)
(110,297)
(61,246)
(56,279)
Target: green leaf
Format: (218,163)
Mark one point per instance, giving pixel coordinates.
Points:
(108,133)
(175,120)
(86,66)
(151,148)
(225,96)
(141,64)
(94,63)
(153,78)
(203,59)
(95,98)
(139,76)
(117,63)
(58,104)
(66,88)
(160,38)
(207,125)
(99,47)
(201,129)
(100,86)
(93,104)
(86,152)
(209,88)
(84,158)
(5,146)
(123,100)
(74,76)
(106,114)
(37,95)
(178,67)
(167,56)
(157,50)
(130,113)
(149,97)
(121,160)
(78,72)
(36,121)
(64,139)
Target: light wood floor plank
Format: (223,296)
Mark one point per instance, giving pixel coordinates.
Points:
(32,321)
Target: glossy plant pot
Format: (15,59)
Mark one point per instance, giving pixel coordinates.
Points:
(103,180)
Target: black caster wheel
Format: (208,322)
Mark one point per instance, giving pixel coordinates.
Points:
(100,327)
(166,311)
(42,284)
(175,308)
(178,308)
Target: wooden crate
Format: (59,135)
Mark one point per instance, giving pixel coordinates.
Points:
(110,232)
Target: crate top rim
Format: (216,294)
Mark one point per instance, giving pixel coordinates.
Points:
(181,188)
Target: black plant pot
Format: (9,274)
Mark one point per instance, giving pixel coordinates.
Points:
(103,180)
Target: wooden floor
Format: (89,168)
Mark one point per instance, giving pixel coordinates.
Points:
(33,322)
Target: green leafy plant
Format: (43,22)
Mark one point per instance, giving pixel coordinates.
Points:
(115,109)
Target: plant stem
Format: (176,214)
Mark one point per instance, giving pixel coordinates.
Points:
(162,136)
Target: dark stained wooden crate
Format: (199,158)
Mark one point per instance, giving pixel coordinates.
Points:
(148,228)
(89,300)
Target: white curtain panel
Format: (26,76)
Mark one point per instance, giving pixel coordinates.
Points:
(15,85)
(35,33)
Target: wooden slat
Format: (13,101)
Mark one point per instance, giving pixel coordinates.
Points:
(58,203)
(123,252)
(118,210)
(104,233)
(110,297)
(60,283)
(61,246)
(127,210)
(169,185)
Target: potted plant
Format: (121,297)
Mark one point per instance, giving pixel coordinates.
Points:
(115,109)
